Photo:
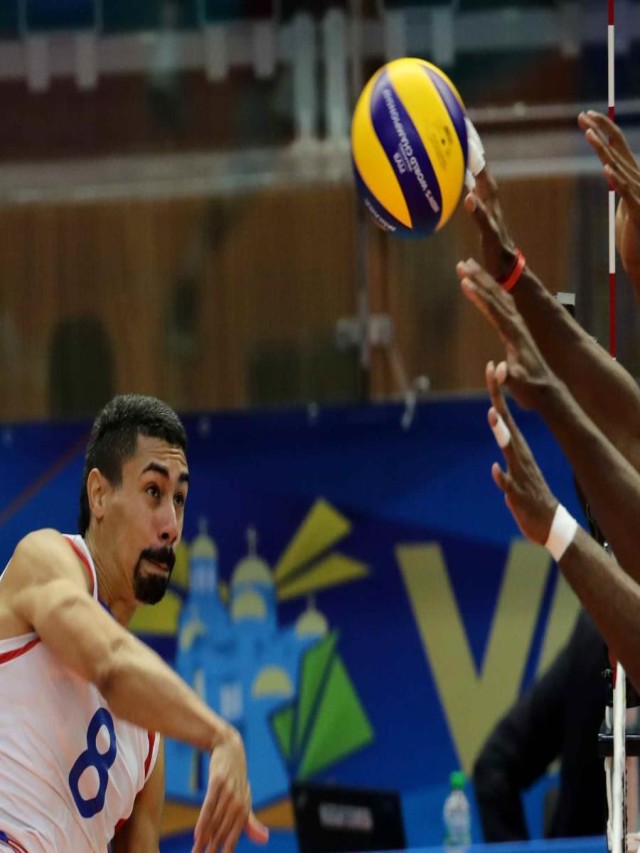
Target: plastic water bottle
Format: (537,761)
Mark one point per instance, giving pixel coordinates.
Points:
(457,813)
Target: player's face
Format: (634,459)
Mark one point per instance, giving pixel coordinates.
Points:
(146,515)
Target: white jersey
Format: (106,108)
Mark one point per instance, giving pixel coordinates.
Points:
(70,770)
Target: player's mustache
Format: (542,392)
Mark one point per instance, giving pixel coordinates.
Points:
(162,556)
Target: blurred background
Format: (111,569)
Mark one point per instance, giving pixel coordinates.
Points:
(178,217)
(178,214)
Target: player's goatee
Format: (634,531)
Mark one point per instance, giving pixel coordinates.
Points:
(149,588)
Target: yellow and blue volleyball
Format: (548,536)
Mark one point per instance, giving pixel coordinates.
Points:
(409,147)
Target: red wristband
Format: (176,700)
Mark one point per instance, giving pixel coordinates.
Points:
(513,278)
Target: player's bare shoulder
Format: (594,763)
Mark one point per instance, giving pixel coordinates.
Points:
(40,558)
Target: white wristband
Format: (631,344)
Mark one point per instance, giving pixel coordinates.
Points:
(562,533)
(475,154)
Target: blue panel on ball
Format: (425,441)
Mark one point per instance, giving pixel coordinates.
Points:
(382,218)
(403,146)
(454,108)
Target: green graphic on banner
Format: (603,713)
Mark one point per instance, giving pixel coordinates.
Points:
(314,669)
(328,718)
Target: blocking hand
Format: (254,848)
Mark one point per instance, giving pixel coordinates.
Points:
(483,205)
(525,490)
(525,372)
(623,174)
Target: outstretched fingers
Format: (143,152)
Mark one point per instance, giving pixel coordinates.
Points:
(496,377)
(501,478)
(483,206)
(524,488)
(605,136)
(487,189)
(222,820)
(477,208)
(501,431)
(475,295)
(620,170)
(204,826)
(620,165)
(485,293)
(256,830)
(505,430)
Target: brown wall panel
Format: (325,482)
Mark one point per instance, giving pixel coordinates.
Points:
(273,267)
(229,302)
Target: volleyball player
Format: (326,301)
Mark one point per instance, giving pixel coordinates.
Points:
(83,701)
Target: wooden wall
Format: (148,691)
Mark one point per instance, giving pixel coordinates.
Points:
(203,302)
(187,291)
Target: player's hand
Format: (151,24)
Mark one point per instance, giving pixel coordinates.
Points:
(525,372)
(226,811)
(623,175)
(525,490)
(483,205)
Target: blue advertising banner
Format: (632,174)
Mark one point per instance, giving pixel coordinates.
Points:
(353,595)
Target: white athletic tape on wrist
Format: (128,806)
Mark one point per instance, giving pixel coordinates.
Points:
(501,433)
(475,154)
(562,533)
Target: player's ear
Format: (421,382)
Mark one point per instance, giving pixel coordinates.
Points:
(97,490)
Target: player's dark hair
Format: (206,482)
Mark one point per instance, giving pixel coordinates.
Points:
(114,437)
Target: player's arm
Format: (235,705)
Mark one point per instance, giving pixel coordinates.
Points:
(607,591)
(605,391)
(139,687)
(47,590)
(610,482)
(141,832)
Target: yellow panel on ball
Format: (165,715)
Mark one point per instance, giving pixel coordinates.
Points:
(371,162)
(409,141)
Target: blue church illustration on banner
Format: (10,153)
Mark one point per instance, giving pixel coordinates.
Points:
(247,667)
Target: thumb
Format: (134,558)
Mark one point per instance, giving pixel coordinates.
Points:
(255,830)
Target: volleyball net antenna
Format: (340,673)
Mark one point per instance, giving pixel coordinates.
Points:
(619,742)
(616,763)
(619,733)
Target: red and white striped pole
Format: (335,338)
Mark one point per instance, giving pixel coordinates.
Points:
(612,195)
(618,820)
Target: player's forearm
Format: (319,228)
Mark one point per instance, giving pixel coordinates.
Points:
(611,484)
(610,595)
(501,815)
(601,386)
(498,793)
(134,680)
(142,689)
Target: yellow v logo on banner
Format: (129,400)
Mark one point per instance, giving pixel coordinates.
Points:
(474,701)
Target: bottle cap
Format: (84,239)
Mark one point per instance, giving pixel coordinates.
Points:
(457,780)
